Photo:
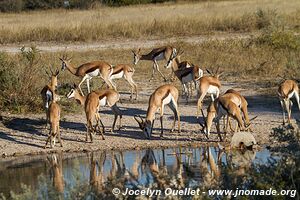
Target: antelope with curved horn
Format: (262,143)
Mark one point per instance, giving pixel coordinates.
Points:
(92,103)
(126,72)
(89,70)
(163,95)
(208,85)
(186,72)
(54,116)
(286,91)
(220,107)
(157,54)
(48,91)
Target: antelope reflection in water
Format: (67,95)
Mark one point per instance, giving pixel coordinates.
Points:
(56,172)
(162,169)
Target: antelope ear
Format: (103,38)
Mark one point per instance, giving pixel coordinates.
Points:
(139,50)
(208,72)
(57,72)
(220,74)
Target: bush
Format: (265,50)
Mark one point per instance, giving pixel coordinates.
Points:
(20,81)
(11,5)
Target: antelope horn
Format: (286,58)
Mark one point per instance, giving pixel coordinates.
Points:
(47,74)
(208,71)
(253,118)
(217,70)
(56,72)
(51,71)
(138,118)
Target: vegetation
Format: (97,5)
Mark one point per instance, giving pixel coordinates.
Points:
(22,76)
(21,5)
(146,22)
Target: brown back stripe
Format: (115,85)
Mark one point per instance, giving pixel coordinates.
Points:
(92,69)
(118,71)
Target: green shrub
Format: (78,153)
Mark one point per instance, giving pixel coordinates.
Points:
(280,39)
(11,5)
(20,81)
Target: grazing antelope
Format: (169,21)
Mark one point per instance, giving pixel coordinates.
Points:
(157,54)
(220,107)
(48,91)
(122,70)
(286,91)
(208,85)
(92,103)
(54,116)
(89,70)
(241,102)
(186,72)
(163,95)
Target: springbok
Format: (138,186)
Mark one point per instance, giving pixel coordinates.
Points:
(286,91)
(163,95)
(208,85)
(242,103)
(157,54)
(126,72)
(220,107)
(48,91)
(54,116)
(89,70)
(92,103)
(186,73)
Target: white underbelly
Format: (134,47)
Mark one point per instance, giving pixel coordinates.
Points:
(212,89)
(160,56)
(94,73)
(291,94)
(102,101)
(168,99)
(118,75)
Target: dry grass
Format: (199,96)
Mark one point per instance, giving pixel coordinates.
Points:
(143,21)
(241,60)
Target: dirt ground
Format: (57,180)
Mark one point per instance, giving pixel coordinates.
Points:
(26,134)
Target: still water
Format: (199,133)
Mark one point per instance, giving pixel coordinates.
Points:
(94,175)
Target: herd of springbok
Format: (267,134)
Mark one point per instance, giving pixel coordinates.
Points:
(231,104)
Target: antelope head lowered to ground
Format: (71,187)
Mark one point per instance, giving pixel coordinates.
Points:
(163,95)
(225,105)
(92,104)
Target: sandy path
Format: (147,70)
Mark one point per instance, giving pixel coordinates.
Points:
(119,43)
